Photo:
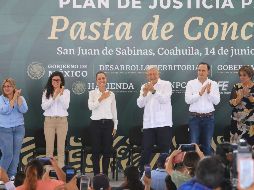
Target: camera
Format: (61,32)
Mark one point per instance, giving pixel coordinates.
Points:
(244,147)
(242,166)
(70,173)
(188,147)
(148,171)
(52,174)
(84,182)
(44,161)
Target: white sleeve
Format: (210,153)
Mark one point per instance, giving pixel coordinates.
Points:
(214,95)
(142,100)
(65,99)
(46,103)
(164,96)
(190,96)
(92,102)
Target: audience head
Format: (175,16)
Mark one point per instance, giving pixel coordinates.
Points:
(225,150)
(210,172)
(131,173)
(190,161)
(34,172)
(169,183)
(19,179)
(179,166)
(161,160)
(132,178)
(101,182)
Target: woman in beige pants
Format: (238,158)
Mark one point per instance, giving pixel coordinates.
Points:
(55,102)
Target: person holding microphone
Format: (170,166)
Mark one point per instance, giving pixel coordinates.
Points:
(104,122)
(55,102)
(12,130)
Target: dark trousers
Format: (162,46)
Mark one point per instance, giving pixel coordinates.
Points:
(102,140)
(160,136)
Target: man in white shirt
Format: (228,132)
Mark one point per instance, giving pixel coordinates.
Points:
(155,98)
(202,94)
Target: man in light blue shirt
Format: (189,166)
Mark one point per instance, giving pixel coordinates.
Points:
(159,174)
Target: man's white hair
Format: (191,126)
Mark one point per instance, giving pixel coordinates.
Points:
(149,67)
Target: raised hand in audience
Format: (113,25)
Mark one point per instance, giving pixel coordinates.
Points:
(59,172)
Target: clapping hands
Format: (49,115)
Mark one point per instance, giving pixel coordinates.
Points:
(148,87)
(206,88)
(58,91)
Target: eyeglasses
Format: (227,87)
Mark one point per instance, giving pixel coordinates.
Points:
(56,80)
(7,86)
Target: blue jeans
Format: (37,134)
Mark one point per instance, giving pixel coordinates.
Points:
(10,144)
(201,132)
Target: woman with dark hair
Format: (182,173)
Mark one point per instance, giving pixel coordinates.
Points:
(242,102)
(103,124)
(55,102)
(169,183)
(36,179)
(34,172)
(131,179)
(12,130)
(19,178)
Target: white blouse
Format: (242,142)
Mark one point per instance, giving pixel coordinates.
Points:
(106,109)
(57,107)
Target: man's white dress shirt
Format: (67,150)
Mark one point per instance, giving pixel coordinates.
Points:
(204,103)
(157,106)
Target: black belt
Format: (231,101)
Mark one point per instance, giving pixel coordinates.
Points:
(195,114)
(55,117)
(103,121)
